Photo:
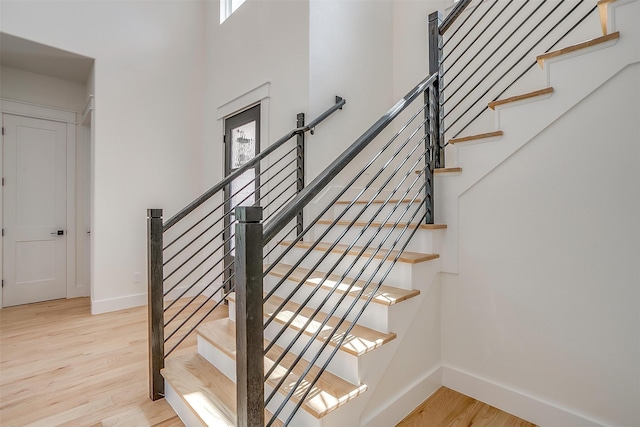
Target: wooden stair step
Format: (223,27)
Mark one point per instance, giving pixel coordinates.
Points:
(384,225)
(328,393)
(577,47)
(385,295)
(203,388)
(447,170)
(443,170)
(541,92)
(362,202)
(479,136)
(361,339)
(406,256)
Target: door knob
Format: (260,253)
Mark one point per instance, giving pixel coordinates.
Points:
(58,233)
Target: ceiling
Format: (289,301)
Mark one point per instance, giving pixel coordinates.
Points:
(22,54)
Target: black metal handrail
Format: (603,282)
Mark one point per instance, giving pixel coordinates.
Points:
(319,183)
(197,252)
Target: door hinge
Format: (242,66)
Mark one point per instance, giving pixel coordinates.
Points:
(3,232)
(2,181)
(3,130)
(224,138)
(3,283)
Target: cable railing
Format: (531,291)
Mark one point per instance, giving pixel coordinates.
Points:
(192,254)
(492,48)
(306,285)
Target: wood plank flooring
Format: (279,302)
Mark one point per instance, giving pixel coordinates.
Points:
(61,366)
(447,408)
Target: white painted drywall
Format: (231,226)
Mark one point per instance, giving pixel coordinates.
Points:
(261,45)
(351,56)
(149,76)
(37,89)
(546,300)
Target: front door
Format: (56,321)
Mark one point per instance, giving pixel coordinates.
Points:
(34,209)
(242,143)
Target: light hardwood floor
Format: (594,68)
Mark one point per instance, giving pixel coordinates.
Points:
(447,408)
(61,366)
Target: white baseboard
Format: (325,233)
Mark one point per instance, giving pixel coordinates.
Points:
(532,409)
(405,402)
(121,303)
(137,300)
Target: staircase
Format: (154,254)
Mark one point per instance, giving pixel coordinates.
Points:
(350,302)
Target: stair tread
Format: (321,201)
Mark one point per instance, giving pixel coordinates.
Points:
(385,225)
(203,388)
(447,170)
(443,170)
(362,202)
(385,295)
(476,137)
(576,47)
(524,96)
(407,257)
(361,339)
(329,392)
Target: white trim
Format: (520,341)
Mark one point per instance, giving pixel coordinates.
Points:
(88,109)
(515,402)
(37,111)
(406,401)
(72,290)
(244,101)
(120,303)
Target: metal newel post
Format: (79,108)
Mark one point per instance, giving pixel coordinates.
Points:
(249,317)
(300,170)
(155,305)
(435,66)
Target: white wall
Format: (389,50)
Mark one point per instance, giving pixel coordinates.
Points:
(149,75)
(546,300)
(261,45)
(37,89)
(351,52)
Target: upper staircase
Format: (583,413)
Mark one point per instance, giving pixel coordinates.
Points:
(349,326)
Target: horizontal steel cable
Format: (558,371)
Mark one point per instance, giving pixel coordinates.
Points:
(346,251)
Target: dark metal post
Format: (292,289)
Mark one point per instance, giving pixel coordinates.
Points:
(300,170)
(435,66)
(249,312)
(155,303)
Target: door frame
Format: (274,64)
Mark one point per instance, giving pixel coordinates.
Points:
(17,108)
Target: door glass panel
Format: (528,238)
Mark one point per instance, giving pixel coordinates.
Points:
(243,144)
(243,194)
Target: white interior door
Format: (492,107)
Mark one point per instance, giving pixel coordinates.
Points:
(35,203)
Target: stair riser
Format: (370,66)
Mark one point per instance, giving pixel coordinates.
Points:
(424,241)
(374,317)
(396,210)
(344,364)
(399,276)
(180,407)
